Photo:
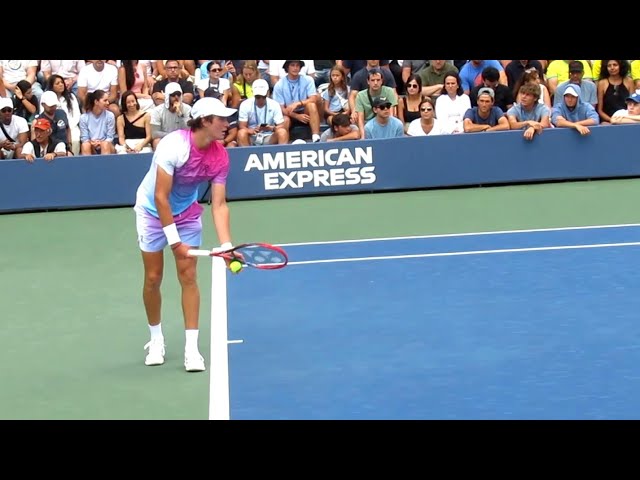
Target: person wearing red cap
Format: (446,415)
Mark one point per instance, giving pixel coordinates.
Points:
(168,213)
(42,146)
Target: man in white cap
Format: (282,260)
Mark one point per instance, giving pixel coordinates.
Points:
(14,130)
(171,115)
(168,213)
(60,130)
(260,118)
(574,112)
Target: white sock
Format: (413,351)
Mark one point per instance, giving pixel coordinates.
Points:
(156,331)
(191,340)
(315,137)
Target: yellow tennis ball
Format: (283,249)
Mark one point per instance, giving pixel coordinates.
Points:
(235,266)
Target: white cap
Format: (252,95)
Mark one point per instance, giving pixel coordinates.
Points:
(172,87)
(210,106)
(260,87)
(49,98)
(298,141)
(5,102)
(571,91)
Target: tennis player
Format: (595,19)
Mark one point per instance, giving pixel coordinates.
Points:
(168,213)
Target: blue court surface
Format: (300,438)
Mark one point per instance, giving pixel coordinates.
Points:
(500,325)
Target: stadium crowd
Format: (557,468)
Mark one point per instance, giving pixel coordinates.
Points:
(51,108)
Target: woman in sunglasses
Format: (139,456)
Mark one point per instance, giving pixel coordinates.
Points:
(427,124)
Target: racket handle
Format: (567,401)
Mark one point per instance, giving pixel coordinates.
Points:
(199,253)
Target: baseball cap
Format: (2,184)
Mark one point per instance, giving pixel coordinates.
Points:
(488,91)
(634,97)
(378,102)
(572,90)
(5,102)
(42,123)
(576,66)
(210,106)
(49,98)
(260,87)
(172,87)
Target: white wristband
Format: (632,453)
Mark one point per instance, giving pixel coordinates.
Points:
(171,232)
(226,246)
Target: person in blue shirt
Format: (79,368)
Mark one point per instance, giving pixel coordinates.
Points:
(573,112)
(383,124)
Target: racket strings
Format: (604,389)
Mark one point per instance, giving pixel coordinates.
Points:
(262,256)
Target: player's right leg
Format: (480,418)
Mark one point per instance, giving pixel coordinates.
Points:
(152,241)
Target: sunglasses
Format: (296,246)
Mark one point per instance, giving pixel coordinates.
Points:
(6,110)
(412,85)
(386,106)
(215,69)
(426,109)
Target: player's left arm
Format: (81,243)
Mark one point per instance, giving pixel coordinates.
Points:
(220,212)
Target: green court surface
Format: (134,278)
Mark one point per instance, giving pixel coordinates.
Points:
(73,325)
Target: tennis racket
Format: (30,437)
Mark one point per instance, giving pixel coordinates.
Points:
(262,256)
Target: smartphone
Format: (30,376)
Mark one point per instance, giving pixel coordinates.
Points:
(262,125)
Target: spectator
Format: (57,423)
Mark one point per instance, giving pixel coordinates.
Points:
(452,104)
(15,70)
(631,114)
(260,119)
(278,70)
(471,73)
(68,70)
(172,115)
(409,104)
(485,116)
(352,66)
(298,98)
(99,75)
(133,126)
(68,103)
(427,124)
(383,124)
(323,71)
(42,146)
(132,76)
(244,81)
(529,114)
(25,103)
(516,68)
(573,112)
(363,111)
(503,95)
(433,77)
(635,73)
(587,90)
(57,118)
(359,80)
(532,76)
(213,85)
(614,87)
(97,125)
(558,72)
(336,96)
(14,131)
(341,129)
(172,75)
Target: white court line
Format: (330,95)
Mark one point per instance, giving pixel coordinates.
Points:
(470,252)
(467,234)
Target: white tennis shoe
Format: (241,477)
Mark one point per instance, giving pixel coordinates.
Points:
(156,352)
(193,362)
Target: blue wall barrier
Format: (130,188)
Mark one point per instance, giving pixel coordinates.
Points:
(341,167)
